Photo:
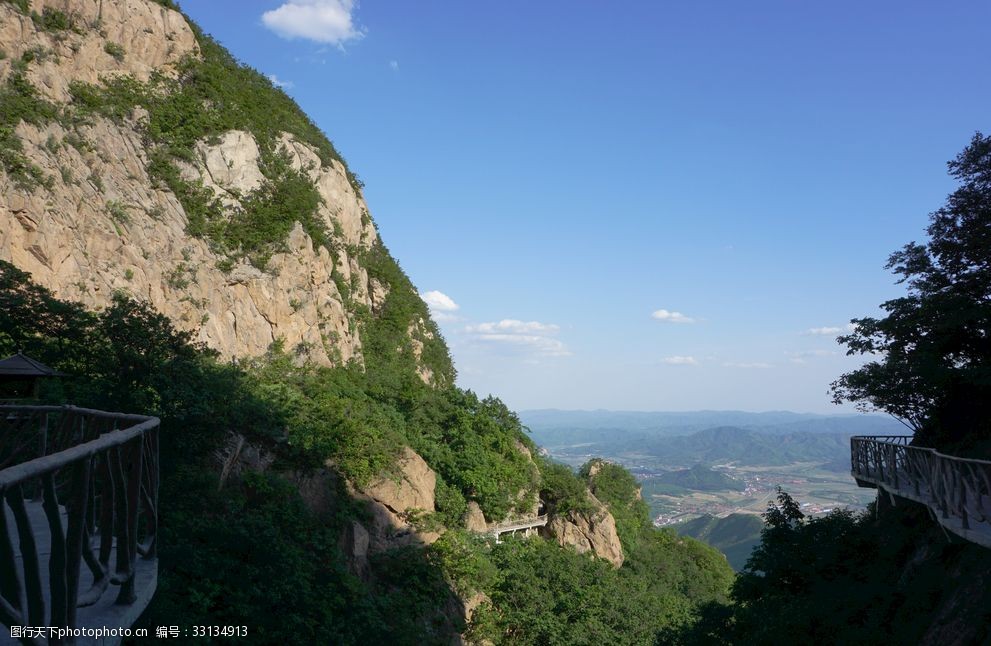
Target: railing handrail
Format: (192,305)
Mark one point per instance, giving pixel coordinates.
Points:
(520,524)
(48,463)
(882,439)
(97,486)
(56,408)
(956,490)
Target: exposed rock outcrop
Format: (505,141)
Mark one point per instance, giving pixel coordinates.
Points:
(150,38)
(395,503)
(108,228)
(593,532)
(475,519)
(104,226)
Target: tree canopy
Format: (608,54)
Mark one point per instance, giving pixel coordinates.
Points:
(933,348)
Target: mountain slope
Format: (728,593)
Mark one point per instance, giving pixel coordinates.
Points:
(184,242)
(734,535)
(138,156)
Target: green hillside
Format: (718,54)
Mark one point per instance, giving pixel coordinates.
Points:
(735,535)
(700,478)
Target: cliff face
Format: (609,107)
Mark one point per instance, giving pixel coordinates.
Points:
(153,37)
(393,504)
(594,532)
(98,220)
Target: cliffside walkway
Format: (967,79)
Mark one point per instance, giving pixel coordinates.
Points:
(77,486)
(528,527)
(957,491)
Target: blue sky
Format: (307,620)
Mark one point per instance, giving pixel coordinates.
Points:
(637,205)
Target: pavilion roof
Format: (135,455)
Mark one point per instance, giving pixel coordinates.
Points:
(21,365)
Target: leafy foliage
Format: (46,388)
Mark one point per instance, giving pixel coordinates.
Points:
(226,552)
(23,6)
(562,490)
(935,342)
(386,335)
(465,560)
(545,594)
(474,446)
(19,101)
(53,20)
(872,578)
(115,49)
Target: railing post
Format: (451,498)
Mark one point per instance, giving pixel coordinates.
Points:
(964,519)
(951,487)
(61,459)
(894,464)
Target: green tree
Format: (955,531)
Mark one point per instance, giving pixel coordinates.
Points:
(934,344)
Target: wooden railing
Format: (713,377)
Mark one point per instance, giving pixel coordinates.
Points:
(95,475)
(957,490)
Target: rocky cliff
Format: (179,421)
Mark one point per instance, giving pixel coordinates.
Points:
(588,532)
(95,199)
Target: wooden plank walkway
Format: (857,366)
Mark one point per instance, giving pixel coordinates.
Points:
(957,491)
(102,613)
(97,473)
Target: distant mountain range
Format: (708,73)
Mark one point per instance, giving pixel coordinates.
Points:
(552,422)
(687,438)
(741,446)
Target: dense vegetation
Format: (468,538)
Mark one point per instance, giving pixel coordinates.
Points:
(19,101)
(885,576)
(544,594)
(245,550)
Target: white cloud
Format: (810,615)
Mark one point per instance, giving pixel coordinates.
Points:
(277,82)
(394,66)
(680,361)
(439,301)
(323,21)
(513,326)
(532,336)
(801,356)
(540,344)
(671,317)
(830,330)
(746,364)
